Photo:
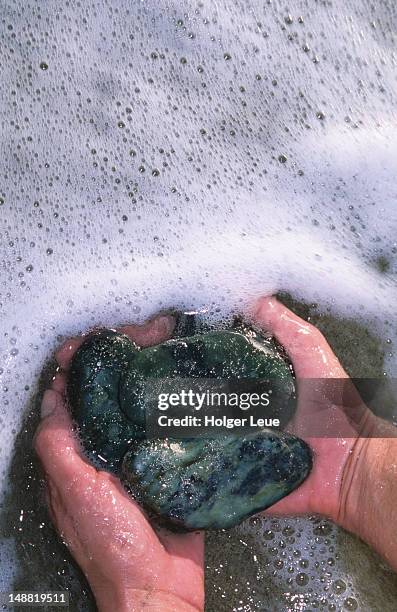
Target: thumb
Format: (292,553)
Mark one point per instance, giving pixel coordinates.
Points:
(56,444)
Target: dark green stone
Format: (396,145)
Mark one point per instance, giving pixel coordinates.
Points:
(95,390)
(227,476)
(217,483)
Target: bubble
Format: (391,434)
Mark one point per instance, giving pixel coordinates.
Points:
(323,529)
(339,586)
(302,579)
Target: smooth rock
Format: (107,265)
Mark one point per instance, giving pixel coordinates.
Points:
(214,484)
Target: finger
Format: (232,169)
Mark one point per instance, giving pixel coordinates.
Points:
(152,332)
(58,382)
(65,353)
(57,446)
(310,353)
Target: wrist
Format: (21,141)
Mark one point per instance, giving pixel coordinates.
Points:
(362,474)
(369,491)
(358,473)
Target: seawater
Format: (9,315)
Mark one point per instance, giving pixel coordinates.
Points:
(194,155)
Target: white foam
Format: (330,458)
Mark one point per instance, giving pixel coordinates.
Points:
(225,220)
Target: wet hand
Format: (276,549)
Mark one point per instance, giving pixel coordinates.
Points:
(329,427)
(354,475)
(128,564)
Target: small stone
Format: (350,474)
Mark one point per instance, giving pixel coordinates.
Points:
(216,483)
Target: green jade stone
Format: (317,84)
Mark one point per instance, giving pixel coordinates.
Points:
(195,483)
(216,483)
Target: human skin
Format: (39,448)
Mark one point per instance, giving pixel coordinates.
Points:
(131,567)
(354,477)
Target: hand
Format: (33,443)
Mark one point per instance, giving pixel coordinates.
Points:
(128,564)
(354,475)
(335,427)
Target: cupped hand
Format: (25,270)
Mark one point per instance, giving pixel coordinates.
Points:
(330,415)
(129,565)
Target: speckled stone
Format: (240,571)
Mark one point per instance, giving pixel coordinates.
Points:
(217,483)
(95,394)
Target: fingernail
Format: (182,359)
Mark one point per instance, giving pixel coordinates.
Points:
(48,404)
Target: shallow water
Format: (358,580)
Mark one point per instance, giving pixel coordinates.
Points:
(196,155)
